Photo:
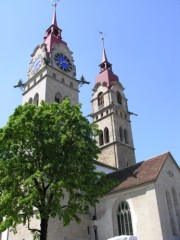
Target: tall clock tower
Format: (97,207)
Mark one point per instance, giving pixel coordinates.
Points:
(110,112)
(51,73)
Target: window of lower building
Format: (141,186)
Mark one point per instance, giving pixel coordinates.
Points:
(170,211)
(124,219)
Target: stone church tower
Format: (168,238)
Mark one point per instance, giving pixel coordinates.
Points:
(51,73)
(110,112)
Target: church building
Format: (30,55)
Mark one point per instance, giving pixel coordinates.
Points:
(146,203)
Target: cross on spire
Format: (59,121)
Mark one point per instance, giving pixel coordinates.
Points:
(55,2)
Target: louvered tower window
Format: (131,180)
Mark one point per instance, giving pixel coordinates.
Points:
(106,135)
(100,99)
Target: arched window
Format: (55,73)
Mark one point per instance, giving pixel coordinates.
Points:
(36,99)
(124,219)
(119,99)
(125,136)
(101,139)
(106,135)
(121,134)
(57,97)
(100,99)
(30,101)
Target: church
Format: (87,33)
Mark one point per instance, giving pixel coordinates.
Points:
(146,203)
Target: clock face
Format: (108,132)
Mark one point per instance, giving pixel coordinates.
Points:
(36,65)
(63,62)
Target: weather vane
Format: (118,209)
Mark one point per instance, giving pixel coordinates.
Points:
(102,37)
(55,2)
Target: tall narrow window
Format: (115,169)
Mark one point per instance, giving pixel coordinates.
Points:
(171,217)
(124,219)
(121,134)
(125,136)
(36,99)
(101,139)
(176,204)
(106,135)
(100,99)
(119,99)
(57,97)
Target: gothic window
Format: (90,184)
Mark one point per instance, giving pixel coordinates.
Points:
(106,135)
(121,134)
(119,99)
(100,99)
(124,219)
(101,139)
(57,98)
(125,136)
(170,211)
(30,101)
(36,99)
(176,204)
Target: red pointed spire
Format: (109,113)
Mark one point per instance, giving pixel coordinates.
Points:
(54,21)
(106,75)
(105,63)
(104,58)
(53,33)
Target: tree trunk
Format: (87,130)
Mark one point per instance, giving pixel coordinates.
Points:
(44,227)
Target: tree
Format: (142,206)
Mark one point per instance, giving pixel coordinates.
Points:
(47,153)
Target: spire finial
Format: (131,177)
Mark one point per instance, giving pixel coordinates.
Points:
(104,58)
(54,4)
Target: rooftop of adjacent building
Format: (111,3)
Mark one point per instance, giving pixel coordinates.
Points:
(139,173)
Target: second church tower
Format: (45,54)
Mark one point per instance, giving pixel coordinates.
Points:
(110,113)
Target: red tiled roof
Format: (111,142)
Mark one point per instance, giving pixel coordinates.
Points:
(139,173)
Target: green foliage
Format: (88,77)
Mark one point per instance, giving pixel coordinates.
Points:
(47,158)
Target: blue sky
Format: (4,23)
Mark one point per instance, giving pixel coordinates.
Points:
(142,41)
